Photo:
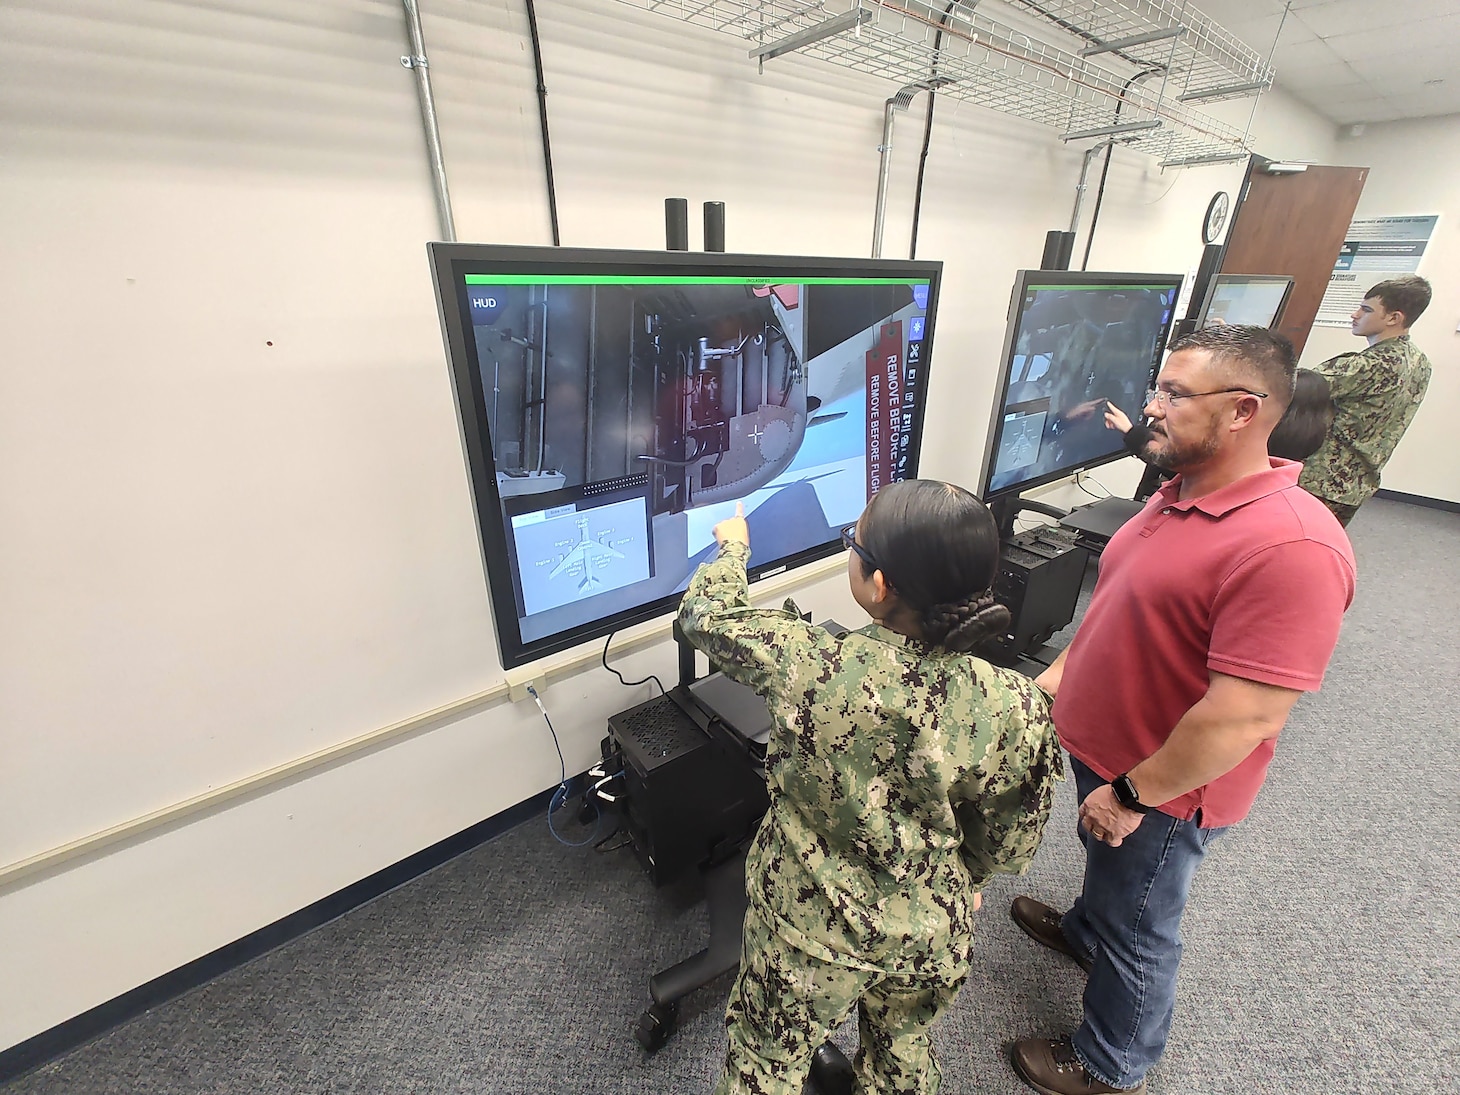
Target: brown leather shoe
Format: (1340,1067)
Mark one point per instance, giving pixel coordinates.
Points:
(1042,924)
(1051,1068)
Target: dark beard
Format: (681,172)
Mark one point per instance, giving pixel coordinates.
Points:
(1180,457)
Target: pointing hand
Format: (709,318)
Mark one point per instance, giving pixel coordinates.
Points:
(733,529)
(1116,419)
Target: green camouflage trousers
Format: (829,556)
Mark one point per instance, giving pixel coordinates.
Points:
(785,1003)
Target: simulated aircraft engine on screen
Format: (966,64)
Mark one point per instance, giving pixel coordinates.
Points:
(738,410)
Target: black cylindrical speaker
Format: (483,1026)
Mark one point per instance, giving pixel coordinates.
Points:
(676,224)
(714,226)
(1058,248)
(1067,249)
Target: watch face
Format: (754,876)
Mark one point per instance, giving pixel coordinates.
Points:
(1216,217)
(1126,794)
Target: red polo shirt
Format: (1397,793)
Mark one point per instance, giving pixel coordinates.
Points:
(1250,580)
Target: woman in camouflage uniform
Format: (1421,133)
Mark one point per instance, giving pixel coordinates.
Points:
(903,774)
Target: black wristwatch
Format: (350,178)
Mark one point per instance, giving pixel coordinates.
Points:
(1125,794)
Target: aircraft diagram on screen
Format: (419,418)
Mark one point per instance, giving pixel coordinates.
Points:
(586,555)
(1019,445)
(567,554)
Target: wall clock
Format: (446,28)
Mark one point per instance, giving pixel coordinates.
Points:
(1216,217)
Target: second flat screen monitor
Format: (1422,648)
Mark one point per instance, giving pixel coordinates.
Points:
(1074,341)
(1252,299)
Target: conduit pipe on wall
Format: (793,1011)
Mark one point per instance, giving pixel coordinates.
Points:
(898,102)
(1084,183)
(416,60)
(1105,169)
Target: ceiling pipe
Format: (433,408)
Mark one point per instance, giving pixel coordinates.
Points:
(898,102)
(1084,184)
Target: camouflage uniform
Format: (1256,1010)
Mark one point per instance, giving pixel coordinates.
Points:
(1375,394)
(902,777)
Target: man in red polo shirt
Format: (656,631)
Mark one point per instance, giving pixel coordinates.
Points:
(1217,607)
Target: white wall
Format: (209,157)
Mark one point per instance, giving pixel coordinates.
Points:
(1413,168)
(235,513)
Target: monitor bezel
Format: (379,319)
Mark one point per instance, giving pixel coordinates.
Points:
(1022,283)
(1248,279)
(451,261)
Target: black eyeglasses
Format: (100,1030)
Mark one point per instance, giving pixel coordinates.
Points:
(1160,396)
(849,538)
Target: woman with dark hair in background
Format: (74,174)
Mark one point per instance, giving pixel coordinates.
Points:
(1298,435)
(1304,425)
(903,774)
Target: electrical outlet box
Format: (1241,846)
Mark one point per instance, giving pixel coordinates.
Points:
(518,681)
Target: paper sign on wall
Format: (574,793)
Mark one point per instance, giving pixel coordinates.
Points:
(1375,249)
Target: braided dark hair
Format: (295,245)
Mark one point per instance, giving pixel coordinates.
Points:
(960,626)
(939,547)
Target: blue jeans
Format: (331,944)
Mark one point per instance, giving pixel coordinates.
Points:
(1128,923)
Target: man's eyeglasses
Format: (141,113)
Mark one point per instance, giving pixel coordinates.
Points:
(1161,397)
(849,539)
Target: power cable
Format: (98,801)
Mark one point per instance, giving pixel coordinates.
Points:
(1105,170)
(620,676)
(1099,198)
(1082,477)
(547,144)
(912,249)
(560,796)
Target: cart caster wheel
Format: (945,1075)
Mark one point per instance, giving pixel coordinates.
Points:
(655,1026)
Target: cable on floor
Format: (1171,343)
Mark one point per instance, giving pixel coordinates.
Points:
(560,796)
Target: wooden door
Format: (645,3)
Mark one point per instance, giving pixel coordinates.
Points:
(1294,224)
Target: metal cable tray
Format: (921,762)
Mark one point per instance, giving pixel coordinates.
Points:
(1088,68)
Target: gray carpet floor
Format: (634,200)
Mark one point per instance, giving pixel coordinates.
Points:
(1321,935)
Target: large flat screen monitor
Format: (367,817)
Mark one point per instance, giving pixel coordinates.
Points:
(615,405)
(1253,299)
(1074,340)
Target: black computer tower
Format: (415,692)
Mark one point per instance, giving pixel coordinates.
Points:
(1040,573)
(692,790)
